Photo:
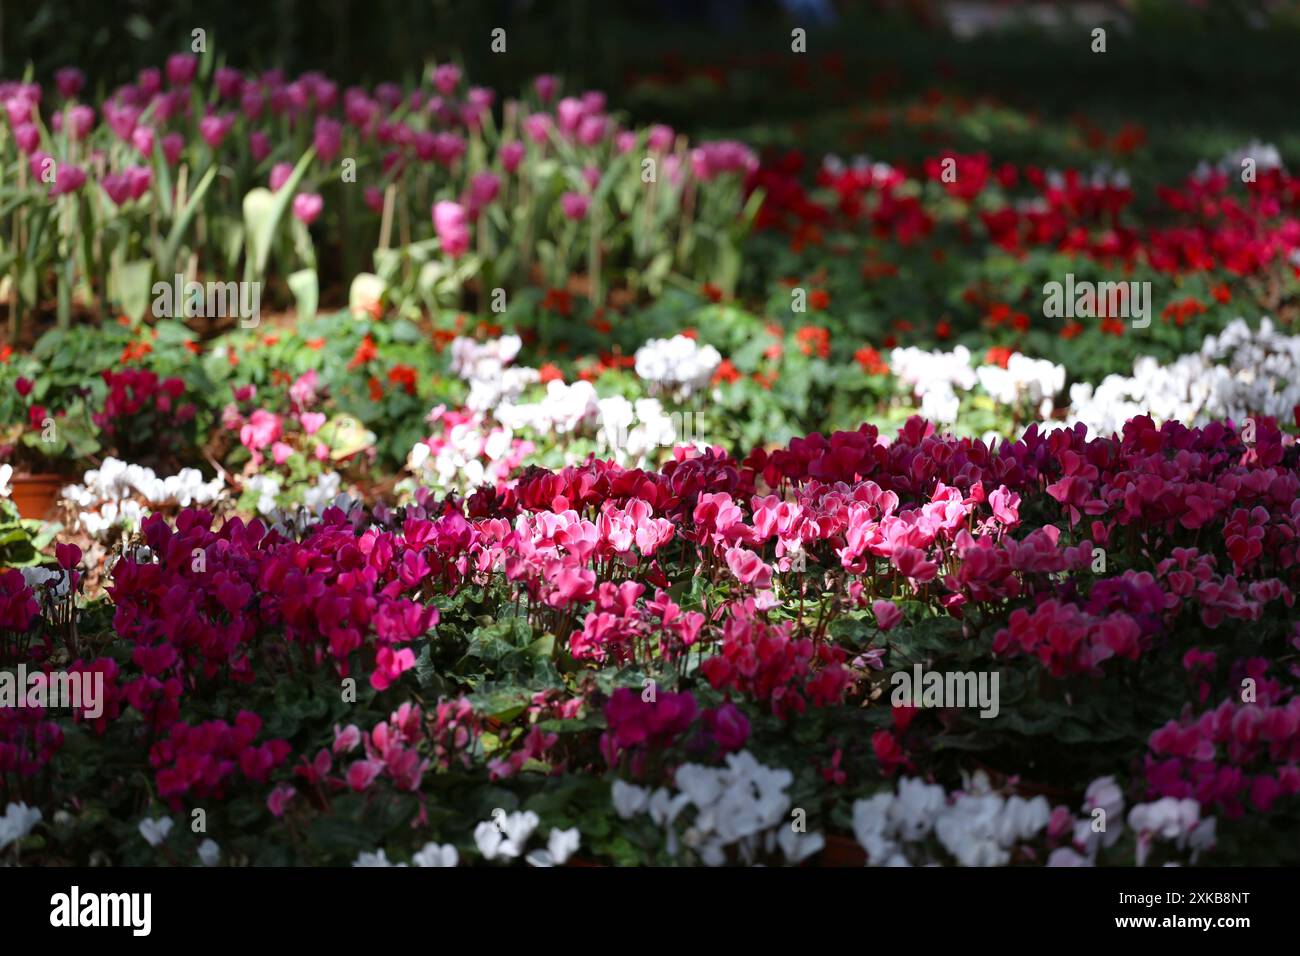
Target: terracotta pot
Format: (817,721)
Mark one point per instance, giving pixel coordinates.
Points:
(35,494)
(842,851)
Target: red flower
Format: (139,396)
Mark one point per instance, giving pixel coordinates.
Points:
(999,355)
(404,376)
(558,300)
(726,372)
(870,361)
(366,352)
(819,299)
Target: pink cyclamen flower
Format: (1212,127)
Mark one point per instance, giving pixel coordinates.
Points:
(887,614)
(279,799)
(451,222)
(307,206)
(311,421)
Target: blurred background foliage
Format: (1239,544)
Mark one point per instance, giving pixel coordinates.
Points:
(1192,73)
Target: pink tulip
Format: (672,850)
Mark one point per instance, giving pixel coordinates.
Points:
(27,136)
(575,205)
(446,78)
(307,206)
(181,68)
(546,86)
(259,145)
(69,81)
(142,140)
(451,223)
(280,174)
(172,145)
(511,155)
(328,138)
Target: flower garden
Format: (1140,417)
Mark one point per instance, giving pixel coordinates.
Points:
(435,473)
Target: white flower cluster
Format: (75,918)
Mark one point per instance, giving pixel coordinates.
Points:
(743,805)
(6,473)
(486,367)
(118,494)
(481,444)
(977,827)
(55,580)
(1036,381)
(937,377)
(432,855)
(465,456)
(1237,373)
(505,836)
(16,822)
(680,364)
(564,410)
(632,431)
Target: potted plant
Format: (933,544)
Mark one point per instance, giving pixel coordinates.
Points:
(42,441)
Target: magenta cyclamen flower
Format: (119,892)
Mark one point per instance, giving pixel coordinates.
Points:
(451,222)
(575,205)
(307,206)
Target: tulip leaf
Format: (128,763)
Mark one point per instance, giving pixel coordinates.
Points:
(181,225)
(263,211)
(306,292)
